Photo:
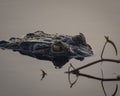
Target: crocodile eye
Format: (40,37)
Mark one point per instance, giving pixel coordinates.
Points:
(56,48)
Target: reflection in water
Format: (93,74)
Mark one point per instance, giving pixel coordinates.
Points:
(78,73)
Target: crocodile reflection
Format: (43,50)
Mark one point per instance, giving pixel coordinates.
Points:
(56,48)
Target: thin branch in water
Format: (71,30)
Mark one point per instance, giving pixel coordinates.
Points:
(69,79)
(93,63)
(102,84)
(112,43)
(103,50)
(97,78)
(115,92)
(74,82)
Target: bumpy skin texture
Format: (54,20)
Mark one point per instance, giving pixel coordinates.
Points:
(56,48)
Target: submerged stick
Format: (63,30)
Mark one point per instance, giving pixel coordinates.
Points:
(93,63)
(98,78)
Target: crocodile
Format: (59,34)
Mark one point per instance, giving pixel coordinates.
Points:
(58,49)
